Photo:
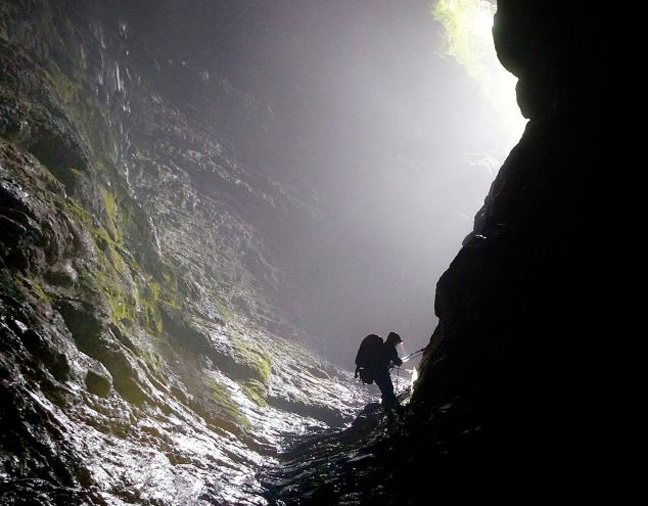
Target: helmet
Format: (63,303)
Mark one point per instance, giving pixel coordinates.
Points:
(394,338)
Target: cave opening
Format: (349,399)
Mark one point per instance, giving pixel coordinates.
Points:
(206,205)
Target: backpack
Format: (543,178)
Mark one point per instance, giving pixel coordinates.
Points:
(366,357)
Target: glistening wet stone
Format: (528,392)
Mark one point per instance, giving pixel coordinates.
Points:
(144,358)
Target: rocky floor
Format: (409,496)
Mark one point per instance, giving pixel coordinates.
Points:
(63,444)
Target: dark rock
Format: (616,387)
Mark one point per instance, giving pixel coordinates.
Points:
(11,232)
(185,335)
(58,151)
(85,326)
(58,364)
(511,379)
(126,378)
(89,334)
(54,359)
(559,52)
(121,337)
(98,381)
(62,275)
(327,415)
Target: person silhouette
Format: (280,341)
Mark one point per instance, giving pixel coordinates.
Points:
(386,358)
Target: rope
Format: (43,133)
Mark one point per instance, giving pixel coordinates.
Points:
(413,355)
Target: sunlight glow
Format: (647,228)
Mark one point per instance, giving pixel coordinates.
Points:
(468,25)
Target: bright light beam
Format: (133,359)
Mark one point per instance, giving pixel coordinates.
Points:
(413,380)
(468,30)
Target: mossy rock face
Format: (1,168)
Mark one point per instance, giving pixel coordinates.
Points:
(127,234)
(256,391)
(184,333)
(91,335)
(223,399)
(124,371)
(254,358)
(215,404)
(223,310)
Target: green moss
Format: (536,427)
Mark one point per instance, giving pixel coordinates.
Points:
(127,303)
(154,361)
(113,221)
(117,260)
(109,275)
(150,304)
(33,286)
(67,91)
(226,405)
(223,310)
(169,292)
(104,241)
(122,303)
(110,203)
(256,359)
(10,285)
(75,209)
(155,291)
(256,391)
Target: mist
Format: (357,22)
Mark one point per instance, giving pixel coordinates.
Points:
(378,116)
(206,205)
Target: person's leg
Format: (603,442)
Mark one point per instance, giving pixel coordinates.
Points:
(384,382)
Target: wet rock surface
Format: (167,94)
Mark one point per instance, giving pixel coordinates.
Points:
(144,356)
(173,438)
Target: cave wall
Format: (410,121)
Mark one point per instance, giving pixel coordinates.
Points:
(520,372)
(144,355)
